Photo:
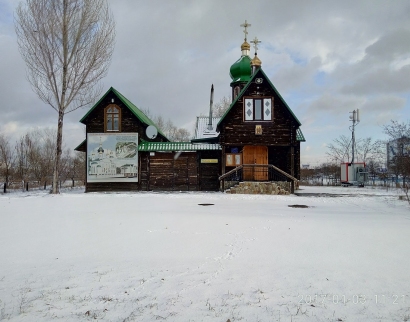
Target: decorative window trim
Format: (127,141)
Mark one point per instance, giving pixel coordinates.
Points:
(258,109)
(111,116)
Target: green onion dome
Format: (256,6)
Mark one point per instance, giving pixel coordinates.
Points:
(241,70)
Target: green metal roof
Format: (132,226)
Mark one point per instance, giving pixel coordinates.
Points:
(135,110)
(246,87)
(176,146)
(79,146)
(299,135)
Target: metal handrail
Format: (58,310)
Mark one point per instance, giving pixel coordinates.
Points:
(258,165)
(230,172)
(294,181)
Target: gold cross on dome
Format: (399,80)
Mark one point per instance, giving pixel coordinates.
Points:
(245,25)
(255,43)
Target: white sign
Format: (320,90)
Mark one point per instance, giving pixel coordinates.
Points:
(112,157)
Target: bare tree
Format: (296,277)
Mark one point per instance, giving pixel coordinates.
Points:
(78,166)
(396,130)
(66,165)
(21,151)
(221,107)
(171,131)
(365,149)
(340,149)
(67,46)
(6,158)
(181,135)
(35,152)
(399,148)
(175,134)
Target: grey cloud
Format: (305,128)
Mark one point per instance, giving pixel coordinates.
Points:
(390,46)
(384,103)
(169,52)
(380,81)
(335,104)
(297,76)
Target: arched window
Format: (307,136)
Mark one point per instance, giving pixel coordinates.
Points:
(236,91)
(112,118)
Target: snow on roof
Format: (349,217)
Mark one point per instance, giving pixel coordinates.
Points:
(176,146)
(201,130)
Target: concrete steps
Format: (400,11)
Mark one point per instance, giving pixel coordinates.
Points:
(261,188)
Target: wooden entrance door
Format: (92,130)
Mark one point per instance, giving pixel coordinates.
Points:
(255,155)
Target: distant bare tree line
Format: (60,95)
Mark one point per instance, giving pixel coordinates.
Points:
(365,149)
(326,172)
(374,152)
(31,159)
(171,131)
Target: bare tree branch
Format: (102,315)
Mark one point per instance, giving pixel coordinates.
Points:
(67,46)
(340,149)
(171,131)
(222,106)
(399,146)
(366,149)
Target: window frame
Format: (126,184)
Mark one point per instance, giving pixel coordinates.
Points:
(111,115)
(263,118)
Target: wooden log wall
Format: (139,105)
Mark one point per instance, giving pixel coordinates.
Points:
(209,172)
(297,161)
(168,173)
(111,186)
(143,170)
(279,156)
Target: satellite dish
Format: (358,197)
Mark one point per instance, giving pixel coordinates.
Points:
(151,132)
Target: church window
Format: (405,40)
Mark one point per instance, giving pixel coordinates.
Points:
(258,109)
(236,91)
(112,118)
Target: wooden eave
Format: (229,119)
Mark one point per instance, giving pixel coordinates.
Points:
(299,135)
(82,147)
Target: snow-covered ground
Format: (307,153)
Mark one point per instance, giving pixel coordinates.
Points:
(162,256)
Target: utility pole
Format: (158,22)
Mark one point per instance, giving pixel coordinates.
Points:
(355,120)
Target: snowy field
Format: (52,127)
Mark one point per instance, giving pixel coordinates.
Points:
(163,257)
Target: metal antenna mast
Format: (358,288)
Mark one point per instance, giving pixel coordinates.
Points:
(355,120)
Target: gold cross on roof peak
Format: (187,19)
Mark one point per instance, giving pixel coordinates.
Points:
(245,25)
(255,43)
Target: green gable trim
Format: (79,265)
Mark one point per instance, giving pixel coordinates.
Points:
(233,103)
(299,135)
(78,147)
(135,110)
(176,146)
(246,87)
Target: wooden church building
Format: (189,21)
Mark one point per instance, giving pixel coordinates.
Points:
(257,140)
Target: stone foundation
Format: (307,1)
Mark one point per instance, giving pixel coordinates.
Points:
(261,188)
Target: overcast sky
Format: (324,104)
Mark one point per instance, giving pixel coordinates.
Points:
(326,58)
